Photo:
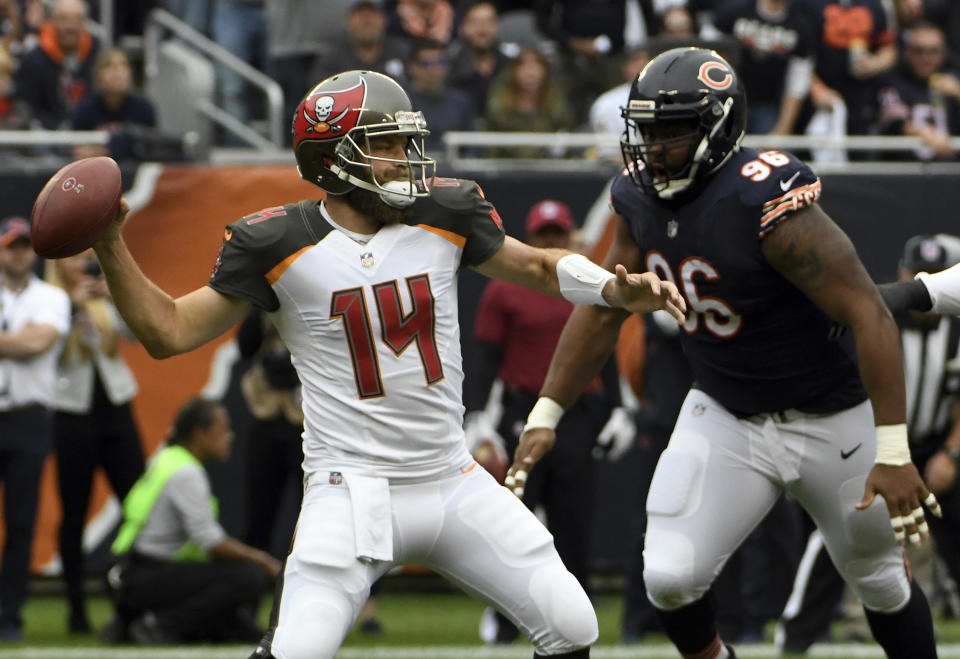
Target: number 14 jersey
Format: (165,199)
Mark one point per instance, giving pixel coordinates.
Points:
(372,327)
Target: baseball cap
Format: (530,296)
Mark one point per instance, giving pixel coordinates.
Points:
(358,4)
(549,213)
(12,228)
(925,253)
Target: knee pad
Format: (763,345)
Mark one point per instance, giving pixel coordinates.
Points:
(569,620)
(874,567)
(312,628)
(669,570)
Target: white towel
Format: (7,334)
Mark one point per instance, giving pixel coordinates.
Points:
(372,522)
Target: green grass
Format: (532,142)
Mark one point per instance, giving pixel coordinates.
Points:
(412,622)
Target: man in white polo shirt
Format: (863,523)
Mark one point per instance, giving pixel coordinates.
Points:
(34,316)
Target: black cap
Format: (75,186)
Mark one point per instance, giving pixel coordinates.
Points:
(925,253)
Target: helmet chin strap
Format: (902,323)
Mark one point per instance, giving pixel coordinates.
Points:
(398,194)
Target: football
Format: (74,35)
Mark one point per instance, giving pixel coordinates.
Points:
(75,207)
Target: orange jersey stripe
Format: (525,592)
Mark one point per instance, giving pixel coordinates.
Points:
(455,238)
(276,271)
(814,188)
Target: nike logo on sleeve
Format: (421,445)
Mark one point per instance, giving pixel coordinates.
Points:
(785,185)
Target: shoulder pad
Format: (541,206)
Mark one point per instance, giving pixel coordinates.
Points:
(455,194)
(263,228)
(768,176)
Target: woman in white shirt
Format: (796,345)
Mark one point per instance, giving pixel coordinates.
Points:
(93,424)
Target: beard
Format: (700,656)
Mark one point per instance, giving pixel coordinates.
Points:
(371,205)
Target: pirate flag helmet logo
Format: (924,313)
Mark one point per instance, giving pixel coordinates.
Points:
(334,123)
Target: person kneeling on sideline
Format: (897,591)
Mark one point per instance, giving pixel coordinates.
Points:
(179,576)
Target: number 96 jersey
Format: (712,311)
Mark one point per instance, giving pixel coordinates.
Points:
(754,341)
(371,325)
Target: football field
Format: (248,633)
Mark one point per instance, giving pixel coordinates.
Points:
(644,651)
(442,625)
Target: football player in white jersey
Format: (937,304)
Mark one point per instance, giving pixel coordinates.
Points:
(362,288)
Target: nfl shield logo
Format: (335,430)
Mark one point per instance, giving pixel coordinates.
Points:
(366,259)
(336,478)
(672,227)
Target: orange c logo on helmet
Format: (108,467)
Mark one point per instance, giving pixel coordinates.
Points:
(704,75)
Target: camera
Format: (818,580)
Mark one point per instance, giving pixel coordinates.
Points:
(92,268)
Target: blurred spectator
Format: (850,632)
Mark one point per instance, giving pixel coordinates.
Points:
(677,22)
(93,425)
(447,108)
(20,22)
(525,97)
(477,56)
(605,114)
(34,316)
(14,113)
(423,19)
(272,392)
(857,44)
(777,39)
(921,99)
(590,39)
(240,26)
(298,36)
(516,331)
(10,25)
(180,577)
(367,45)
(58,72)
(113,106)
(946,13)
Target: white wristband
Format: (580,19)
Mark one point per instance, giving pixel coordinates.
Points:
(581,280)
(892,446)
(546,413)
(944,290)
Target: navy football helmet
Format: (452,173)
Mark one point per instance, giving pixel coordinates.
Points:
(697,89)
(332,127)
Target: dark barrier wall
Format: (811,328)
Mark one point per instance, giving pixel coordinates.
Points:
(877,212)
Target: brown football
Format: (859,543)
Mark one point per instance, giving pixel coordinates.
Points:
(75,207)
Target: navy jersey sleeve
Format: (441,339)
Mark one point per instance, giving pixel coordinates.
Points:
(778,183)
(463,210)
(248,252)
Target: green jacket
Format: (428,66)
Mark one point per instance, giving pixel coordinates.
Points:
(143,496)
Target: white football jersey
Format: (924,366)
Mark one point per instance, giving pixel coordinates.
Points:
(372,328)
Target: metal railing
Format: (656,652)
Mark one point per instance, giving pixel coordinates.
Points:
(159,21)
(575,150)
(567,151)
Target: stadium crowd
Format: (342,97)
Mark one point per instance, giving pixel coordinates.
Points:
(835,67)
(857,67)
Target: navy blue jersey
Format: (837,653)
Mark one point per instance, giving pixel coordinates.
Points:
(754,341)
(766,45)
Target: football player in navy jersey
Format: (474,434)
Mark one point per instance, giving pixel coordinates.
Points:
(362,288)
(777,404)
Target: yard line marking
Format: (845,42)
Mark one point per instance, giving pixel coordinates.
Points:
(520,651)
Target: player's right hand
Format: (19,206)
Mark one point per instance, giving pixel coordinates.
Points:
(904,493)
(113,231)
(534,443)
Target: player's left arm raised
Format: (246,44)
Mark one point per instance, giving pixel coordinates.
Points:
(572,276)
(817,257)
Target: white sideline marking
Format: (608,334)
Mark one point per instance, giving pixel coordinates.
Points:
(659,651)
